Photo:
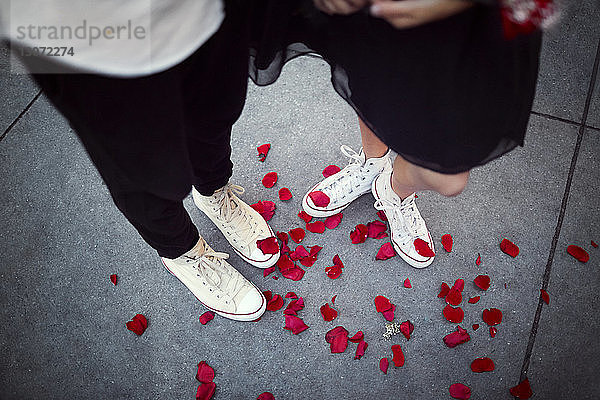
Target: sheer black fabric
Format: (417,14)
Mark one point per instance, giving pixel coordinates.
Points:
(447,96)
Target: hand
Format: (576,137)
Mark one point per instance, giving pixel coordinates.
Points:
(411,13)
(344,7)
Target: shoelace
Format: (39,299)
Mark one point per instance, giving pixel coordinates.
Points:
(356,162)
(232,214)
(210,264)
(406,212)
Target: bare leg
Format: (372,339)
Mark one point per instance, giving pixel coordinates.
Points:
(372,145)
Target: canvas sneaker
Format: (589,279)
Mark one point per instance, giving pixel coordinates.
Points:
(241,225)
(404,219)
(219,286)
(348,184)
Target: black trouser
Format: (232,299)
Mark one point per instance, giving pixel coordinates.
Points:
(152,138)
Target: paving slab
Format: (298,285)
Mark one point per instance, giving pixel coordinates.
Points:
(594,113)
(62,322)
(567,348)
(567,61)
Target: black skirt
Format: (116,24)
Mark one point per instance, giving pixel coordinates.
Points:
(447,96)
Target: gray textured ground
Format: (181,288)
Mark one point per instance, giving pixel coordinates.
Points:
(62,332)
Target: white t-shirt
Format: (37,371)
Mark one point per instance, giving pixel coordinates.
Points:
(126,38)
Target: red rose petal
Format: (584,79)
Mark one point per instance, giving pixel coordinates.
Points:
(407,328)
(333,299)
(314,250)
(382,216)
(285,194)
(460,391)
(265,208)
(266,396)
(138,324)
(275,303)
(308,261)
(483,364)
(482,282)
(492,316)
(269,271)
(206,317)
(359,234)
(291,295)
(376,230)
(263,150)
(294,324)
(337,339)
(460,336)
(295,274)
(389,314)
(305,217)
(270,179)
(522,390)
(331,170)
(474,300)
(398,358)
(301,251)
(295,306)
(333,272)
(382,304)
(475,326)
(268,245)
(452,314)
(206,391)
(478,260)
(315,227)
(297,234)
(594,244)
(319,198)
(113,279)
(459,285)
(509,248)
(328,313)
(447,242)
(205,372)
(444,290)
(454,297)
(360,349)
(358,337)
(493,331)
(423,248)
(386,251)
(283,236)
(383,365)
(407,283)
(579,253)
(333,221)
(545,296)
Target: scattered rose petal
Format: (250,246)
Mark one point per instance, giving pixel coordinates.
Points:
(275,303)
(206,391)
(475,327)
(113,279)
(333,221)
(319,198)
(398,358)
(444,290)
(579,253)
(301,251)
(333,299)
(335,271)
(291,295)
(337,339)
(266,396)
(315,227)
(493,331)
(331,170)
(376,230)
(360,349)
(263,150)
(454,297)
(459,285)
(478,260)
(483,364)
(386,251)
(453,314)
(492,316)
(359,234)
(447,242)
(270,179)
(294,324)
(460,391)
(359,336)
(460,336)
(509,248)
(268,245)
(594,244)
(389,314)
(545,296)
(285,194)
(288,269)
(294,306)
(522,390)
(308,261)
(382,304)
(407,283)
(423,248)
(305,217)
(482,282)
(328,313)
(205,373)
(407,328)
(297,234)
(283,236)
(474,300)
(138,324)
(382,216)
(269,271)
(265,208)
(206,317)
(383,365)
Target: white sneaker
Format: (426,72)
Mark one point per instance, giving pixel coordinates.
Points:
(404,219)
(240,223)
(348,184)
(219,286)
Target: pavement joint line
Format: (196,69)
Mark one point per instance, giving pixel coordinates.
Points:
(20,115)
(563,207)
